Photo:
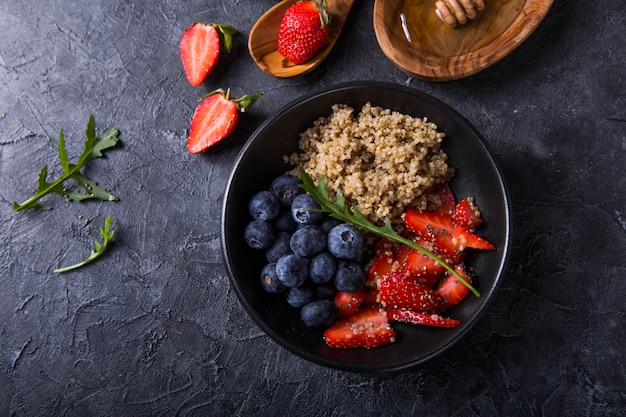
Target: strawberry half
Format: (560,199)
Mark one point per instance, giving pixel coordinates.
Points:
(200,47)
(381,264)
(440,229)
(215,119)
(427,270)
(367,328)
(466,214)
(415,317)
(397,290)
(347,303)
(303,30)
(452,289)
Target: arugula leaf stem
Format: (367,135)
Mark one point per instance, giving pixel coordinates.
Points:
(340,211)
(93,147)
(107,235)
(46,190)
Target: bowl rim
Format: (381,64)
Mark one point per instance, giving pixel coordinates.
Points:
(367,367)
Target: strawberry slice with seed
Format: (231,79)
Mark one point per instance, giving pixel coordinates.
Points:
(416,317)
(381,264)
(200,48)
(466,214)
(215,119)
(423,267)
(440,230)
(347,303)
(367,328)
(398,290)
(433,227)
(464,238)
(452,289)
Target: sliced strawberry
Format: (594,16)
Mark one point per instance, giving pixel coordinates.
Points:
(439,229)
(303,30)
(382,263)
(465,239)
(200,47)
(398,290)
(427,270)
(398,257)
(347,303)
(388,257)
(415,317)
(215,119)
(433,227)
(466,214)
(452,289)
(367,328)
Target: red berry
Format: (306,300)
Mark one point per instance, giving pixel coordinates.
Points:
(303,31)
(415,317)
(367,328)
(452,289)
(347,303)
(200,47)
(215,119)
(398,290)
(466,214)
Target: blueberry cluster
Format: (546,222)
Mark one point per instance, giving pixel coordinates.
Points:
(310,255)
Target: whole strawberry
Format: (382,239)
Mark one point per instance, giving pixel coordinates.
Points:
(303,30)
(215,119)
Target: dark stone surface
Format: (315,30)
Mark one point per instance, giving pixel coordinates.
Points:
(153,328)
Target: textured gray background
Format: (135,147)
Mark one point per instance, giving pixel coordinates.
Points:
(153,328)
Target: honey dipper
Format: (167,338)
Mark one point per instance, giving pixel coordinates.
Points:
(453,12)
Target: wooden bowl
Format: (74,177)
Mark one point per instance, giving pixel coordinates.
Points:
(427,48)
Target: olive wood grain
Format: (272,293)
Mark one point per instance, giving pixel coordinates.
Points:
(262,42)
(427,48)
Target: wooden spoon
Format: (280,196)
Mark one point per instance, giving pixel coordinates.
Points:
(263,39)
(413,37)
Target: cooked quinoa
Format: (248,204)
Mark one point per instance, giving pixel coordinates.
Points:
(382,160)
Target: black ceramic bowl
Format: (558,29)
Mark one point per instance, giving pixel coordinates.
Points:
(260,161)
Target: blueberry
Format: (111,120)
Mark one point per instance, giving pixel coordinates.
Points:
(301,210)
(322,268)
(279,248)
(346,242)
(270,281)
(284,222)
(325,291)
(300,296)
(264,206)
(286,187)
(328,223)
(318,314)
(292,270)
(259,234)
(350,276)
(308,241)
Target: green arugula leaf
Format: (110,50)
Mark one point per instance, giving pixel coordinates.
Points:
(339,210)
(93,148)
(107,235)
